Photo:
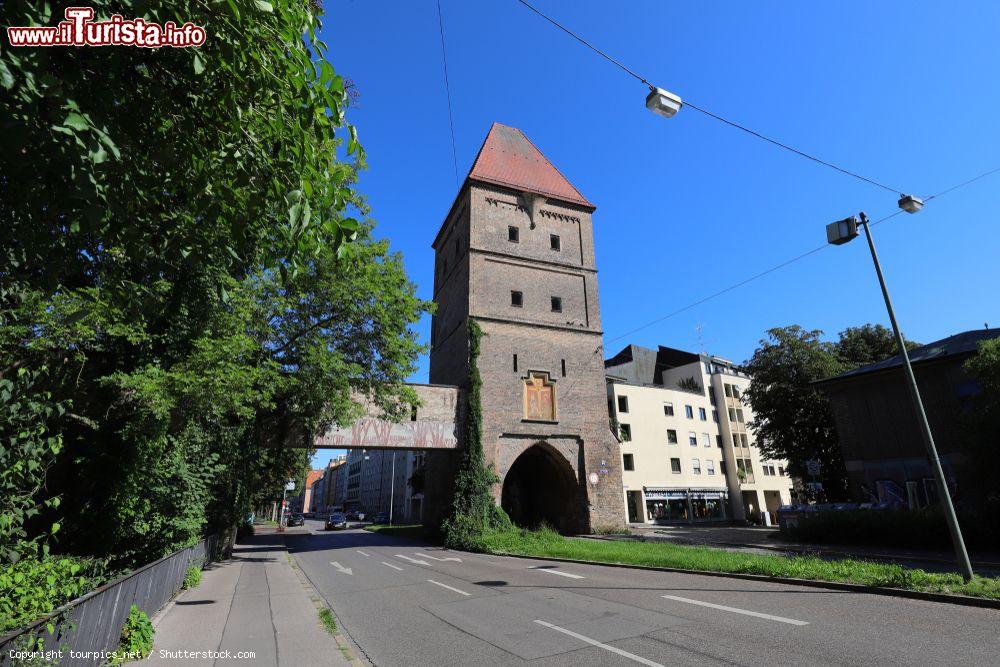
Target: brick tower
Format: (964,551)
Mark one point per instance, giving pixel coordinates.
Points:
(516,253)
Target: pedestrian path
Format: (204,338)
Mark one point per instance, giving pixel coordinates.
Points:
(251,610)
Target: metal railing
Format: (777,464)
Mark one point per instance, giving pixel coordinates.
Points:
(93,622)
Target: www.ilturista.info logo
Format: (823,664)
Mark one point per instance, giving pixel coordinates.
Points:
(79,29)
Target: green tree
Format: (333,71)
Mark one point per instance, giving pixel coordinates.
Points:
(792,418)
(867,344)
(181,253)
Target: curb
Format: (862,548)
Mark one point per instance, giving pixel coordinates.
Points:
(345,642)
(963,600)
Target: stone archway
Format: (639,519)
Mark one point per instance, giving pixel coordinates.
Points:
(540,487)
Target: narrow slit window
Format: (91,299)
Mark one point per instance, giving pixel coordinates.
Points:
(513,234)
(564,368)
(557,304)
(515,363)
(554,242)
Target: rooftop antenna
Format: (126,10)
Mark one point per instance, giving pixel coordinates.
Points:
(701,339)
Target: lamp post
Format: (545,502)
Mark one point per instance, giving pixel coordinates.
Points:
(841,232)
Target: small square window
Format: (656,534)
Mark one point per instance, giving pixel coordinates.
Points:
(693,438)
(516,299)
(626,432)
(513,234)
(706,439)
(671,436)
(623,404)
(554,242)
(709,466)
(628,462)
(668,409)
(696,466)
(556,304)
(702,415)
(688,412)
(675,466)
(718,440)
(715,416)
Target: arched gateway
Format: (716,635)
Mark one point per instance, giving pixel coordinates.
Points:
(540,488)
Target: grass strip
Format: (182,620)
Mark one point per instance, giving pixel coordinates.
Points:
(549,543)
(329,622)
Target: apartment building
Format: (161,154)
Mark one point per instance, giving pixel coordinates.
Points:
(688,454)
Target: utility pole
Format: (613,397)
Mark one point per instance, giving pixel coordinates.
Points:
(842,232)
(392,485)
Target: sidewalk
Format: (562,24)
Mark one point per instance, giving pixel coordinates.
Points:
(254,602)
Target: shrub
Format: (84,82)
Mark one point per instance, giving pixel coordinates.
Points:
(192,577)
(32,588)
(474,511)
(137,637)
(611,530)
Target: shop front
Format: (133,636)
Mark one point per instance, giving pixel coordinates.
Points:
(688,505)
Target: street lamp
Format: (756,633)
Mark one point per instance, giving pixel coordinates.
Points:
(841,232)
(663,102)
(910,204)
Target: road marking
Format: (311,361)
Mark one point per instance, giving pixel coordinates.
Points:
(392,566)
(450,588)
(443,560)
(594,642)
(546,568)
(363,553)
(343,570)
(413,560)
(780,619)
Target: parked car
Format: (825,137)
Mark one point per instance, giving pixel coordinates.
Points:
(296,519)
(336,521)
(355,515)
(381,518)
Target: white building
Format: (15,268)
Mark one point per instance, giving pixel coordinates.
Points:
(688,454)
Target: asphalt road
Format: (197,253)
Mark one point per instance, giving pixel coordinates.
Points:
(406,603)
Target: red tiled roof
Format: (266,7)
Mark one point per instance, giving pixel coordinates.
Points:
(508,158)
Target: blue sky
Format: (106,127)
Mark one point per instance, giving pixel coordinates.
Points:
(903,92)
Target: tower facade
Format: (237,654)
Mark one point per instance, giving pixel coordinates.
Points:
(516,253)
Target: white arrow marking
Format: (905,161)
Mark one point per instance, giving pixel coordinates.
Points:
(343,570)
(363,553)
(413,560)
(443,560)
(392,566)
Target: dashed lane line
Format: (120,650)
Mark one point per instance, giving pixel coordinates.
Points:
(780,619)
(550,570)
(606,647)
(450,588)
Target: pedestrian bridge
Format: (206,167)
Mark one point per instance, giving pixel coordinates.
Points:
(432,425)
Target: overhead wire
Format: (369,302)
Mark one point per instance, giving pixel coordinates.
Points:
(706,112)
(447,89)
(787,262)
